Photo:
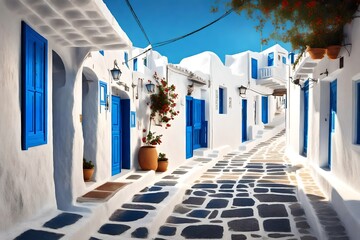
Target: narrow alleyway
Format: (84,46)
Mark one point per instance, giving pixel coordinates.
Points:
(251,195)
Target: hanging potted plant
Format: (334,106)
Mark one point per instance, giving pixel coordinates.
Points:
(162,110)
(88,169)
(162,163)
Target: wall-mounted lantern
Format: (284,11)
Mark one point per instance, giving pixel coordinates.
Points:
(116,72)
(297,81)
(150,87)
(242,91)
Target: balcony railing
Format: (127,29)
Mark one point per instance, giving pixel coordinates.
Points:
(278,73)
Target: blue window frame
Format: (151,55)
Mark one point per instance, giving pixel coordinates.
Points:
(34,88)
(103,93)
(221,101)
(126,58)
(358,113)
(254,68)
(135,64)
(102,52)
(271,59)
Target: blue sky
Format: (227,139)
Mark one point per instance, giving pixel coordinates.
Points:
(166,19)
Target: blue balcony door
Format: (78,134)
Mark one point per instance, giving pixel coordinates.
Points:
(264,109)
(196,126)
(333,109)
(116,135)
(244,121)
(306,118)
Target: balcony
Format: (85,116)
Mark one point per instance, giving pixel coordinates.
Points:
(272,77)
(305,67)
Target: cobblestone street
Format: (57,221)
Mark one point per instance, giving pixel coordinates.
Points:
(244,196)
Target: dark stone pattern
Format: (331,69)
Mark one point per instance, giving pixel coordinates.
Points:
(141,232)
(275,198)
(203,232)
(62,220)
(272,210)
(238,213)
(194,201)
(113,229)
(127,215)
(178,220)
(217,203)
(138,206)
(277,225)
(151,197)
(244,225)
(167,231)
(32,234)
(243,202)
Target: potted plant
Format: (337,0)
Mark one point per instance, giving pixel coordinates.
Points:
(162,163)
(162,110)
(88,169)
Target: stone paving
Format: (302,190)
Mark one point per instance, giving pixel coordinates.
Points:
(250,195)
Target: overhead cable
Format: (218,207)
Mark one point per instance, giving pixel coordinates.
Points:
(137,20)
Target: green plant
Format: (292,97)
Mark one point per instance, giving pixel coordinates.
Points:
(87,164)
(151,138)
(162,157)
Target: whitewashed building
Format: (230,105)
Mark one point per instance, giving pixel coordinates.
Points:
(323,124)
(43,50)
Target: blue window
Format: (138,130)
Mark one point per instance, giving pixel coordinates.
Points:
(135,64)
(271,59)
(126,58)
(284,60)
(254,68)
(291,57)
(358,113)
(102,52)
(103,93)
(145,62)
(221,101)
(34,88)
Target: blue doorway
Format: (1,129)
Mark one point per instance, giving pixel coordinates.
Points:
(244,121)
(116,138)
(306,117)
(264,109)
(196,126)
(332,115)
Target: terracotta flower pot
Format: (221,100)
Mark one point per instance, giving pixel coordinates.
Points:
(88,174)
(162,166)
(316,53)
(148,158)
(333,51)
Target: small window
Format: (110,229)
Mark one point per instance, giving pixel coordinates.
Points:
(358,113)
(284,60)
(222,100)
(103,93)
(102,52)
(145,62)
(135,64)
(271,59)
(254,68)
(34,67)
(126,58)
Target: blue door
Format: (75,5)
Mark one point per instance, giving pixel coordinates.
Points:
(306,117)
(189,135)
(196,126)
(244,121)
(116,128)
(333,96)
(264,109)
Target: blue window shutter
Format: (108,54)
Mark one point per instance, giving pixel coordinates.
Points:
(291,57)
(254,68)
(103,89)
(34,88)
(135,64)
(145,62)
(284,60)
(126,58)
(271,59)
(102,52)
(126,133)
(358,113)
(221,100)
